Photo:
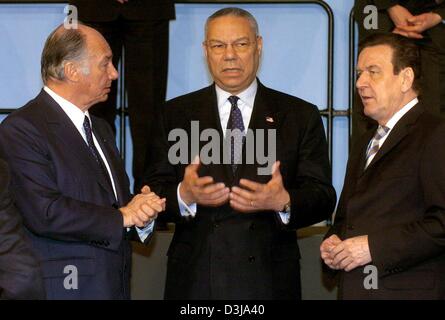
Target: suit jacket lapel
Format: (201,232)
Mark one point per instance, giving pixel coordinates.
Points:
(65,131)
(115,167)
(398,133)
(206,112)
(264,117)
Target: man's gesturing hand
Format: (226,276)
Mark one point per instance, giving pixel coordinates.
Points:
(252,196)
(201,190)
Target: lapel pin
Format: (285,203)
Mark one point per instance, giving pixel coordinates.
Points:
(269,119)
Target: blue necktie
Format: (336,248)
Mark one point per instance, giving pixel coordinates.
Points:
(93,150)
(235,122)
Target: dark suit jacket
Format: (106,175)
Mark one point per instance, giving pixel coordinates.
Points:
(20,274)
(414,6)
(399,202)
(109,10)
(68,207)
(223,254)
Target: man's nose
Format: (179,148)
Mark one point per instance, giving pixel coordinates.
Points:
(361,81)
(230,53)
(113,73)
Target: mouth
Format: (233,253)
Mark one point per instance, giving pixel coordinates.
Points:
(366,98)
(231,70)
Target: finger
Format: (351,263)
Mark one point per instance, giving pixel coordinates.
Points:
(337,249)
(412,30)
(248,195)
(276,169)
(345,263)
(216,194)
(153,206)
(339,257)
(145,189)
(400,32)
(217,201)
(255,186)
(212,188)
(194,165)
(240,207)
(242,200)
(200,182)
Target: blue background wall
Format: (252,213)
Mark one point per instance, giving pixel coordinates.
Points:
(294,56)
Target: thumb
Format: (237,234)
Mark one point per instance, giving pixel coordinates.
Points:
(145,189)
(276,170)
(195,164)
(414,20)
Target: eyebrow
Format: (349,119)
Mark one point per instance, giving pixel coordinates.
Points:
(106,58)
(369,67)
(239,39)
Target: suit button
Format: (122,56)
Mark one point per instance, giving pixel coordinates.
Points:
(350,227)
(251,259)
(216,225)
(252,226)
(115,206)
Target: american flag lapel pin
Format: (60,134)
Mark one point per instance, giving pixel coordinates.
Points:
(269,119)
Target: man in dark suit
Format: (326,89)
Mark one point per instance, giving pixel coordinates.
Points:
(235,225)
(387,238)
(141,27)
(68,179)
(20,274)
(421,21)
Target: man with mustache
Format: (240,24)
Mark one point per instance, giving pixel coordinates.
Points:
(390,219)
(68,180)
(235,228)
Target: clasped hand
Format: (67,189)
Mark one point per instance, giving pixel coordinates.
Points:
(142,209)
(249,196)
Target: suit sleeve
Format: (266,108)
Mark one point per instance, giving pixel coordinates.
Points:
(312,195)
(159,174)
(406,245)
(20,276)
(385,4)
(46,210)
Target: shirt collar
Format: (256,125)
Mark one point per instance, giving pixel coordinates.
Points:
(76,115)
(399,114)
(247,96)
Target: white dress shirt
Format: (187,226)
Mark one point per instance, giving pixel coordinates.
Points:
(392,122)
(245,104)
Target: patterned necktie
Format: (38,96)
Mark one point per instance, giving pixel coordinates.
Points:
(235,122)
(93,150)
(374,146)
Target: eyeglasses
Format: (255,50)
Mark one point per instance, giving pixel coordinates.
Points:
(218,47)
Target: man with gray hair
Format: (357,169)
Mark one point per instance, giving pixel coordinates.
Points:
(68,179)
(235,227)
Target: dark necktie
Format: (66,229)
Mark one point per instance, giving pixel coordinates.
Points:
(235,122)
(93,150)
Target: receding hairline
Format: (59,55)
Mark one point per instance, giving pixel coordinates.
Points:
(233,12)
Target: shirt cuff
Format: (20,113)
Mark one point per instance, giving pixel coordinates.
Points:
(184,209)
(285,217)
(143,233)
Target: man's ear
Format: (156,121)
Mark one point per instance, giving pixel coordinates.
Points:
(72,71)
(407,79)
(204,48)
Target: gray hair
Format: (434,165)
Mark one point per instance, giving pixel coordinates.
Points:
(61,46)
(236,12)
